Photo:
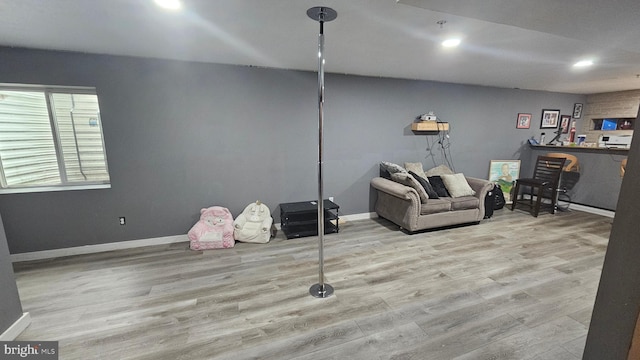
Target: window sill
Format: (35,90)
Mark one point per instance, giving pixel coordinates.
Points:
(36,189)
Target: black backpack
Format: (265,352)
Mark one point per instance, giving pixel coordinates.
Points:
(499,197)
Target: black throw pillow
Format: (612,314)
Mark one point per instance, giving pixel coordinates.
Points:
(438,186)
(425,184)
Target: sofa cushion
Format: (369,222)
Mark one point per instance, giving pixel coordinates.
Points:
(392,168)
(438,186)
(434,206)
(416,168)
(408,180)
(457,185)
(426,185)
(464,203)
(438,170)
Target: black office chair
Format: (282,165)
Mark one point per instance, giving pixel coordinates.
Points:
(543,184)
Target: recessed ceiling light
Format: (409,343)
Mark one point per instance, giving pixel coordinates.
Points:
(583,63)
(169,4)
(451,43)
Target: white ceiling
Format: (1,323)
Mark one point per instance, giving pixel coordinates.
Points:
(507,43)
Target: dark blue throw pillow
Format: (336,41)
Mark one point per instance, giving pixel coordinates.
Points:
(425,184)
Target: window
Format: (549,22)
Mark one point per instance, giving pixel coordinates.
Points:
(50,139)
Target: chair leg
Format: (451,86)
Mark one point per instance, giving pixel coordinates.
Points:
(538,200)
(554,199)
(515,196)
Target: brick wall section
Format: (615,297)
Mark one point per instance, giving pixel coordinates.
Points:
(621,104)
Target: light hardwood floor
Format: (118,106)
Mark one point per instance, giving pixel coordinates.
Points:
(512,287)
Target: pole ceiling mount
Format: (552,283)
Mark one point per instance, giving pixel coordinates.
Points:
(322,13)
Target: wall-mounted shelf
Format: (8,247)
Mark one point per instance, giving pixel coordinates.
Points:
(613,124)
(430,126)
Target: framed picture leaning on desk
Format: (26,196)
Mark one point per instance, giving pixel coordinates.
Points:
(504,173)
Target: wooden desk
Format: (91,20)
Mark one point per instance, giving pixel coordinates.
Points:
(599,182)
(553,148)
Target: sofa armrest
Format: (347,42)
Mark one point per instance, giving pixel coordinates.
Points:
(398,203)
(393,188)
(481,187)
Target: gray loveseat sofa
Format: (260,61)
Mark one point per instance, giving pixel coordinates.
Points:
(401,205)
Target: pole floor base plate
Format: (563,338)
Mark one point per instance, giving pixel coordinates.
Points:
(319,291)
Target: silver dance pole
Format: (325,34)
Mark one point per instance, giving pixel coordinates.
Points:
(321,14)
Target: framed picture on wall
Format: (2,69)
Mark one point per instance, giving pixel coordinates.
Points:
(577,111)
(550,119)
(504,173)
(564,123)
(524,121)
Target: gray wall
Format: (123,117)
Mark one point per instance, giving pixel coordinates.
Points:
(181,136)
(10,308)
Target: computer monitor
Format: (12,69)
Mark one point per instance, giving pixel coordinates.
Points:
(609,124)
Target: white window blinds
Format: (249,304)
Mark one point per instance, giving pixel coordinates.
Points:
(50,138)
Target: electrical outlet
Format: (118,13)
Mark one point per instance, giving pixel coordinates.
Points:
(330,198)
(122,220)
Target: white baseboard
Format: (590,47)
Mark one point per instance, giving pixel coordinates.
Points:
(344,218)
(16,328)
(361,216)
(588,209)
(122,245)
(592,210)
(90,249)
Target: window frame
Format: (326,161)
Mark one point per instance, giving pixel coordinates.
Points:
(65,184)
